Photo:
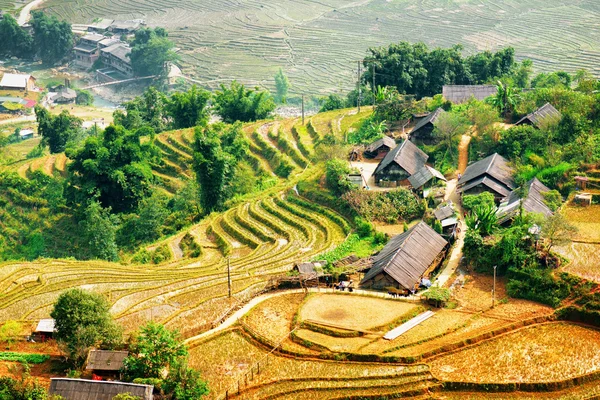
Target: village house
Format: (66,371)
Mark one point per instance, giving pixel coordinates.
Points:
(87,51)
(125,27)
(423,130)
(406,259)
(406,165)
(65,95)
(543,116)
(533,202)
(44,330)
(446,214)
(17,82)
(458,94)
(492,174)
(106,363)
(84,389)
(117,56)
(100,26)
(380,148)
(25,134)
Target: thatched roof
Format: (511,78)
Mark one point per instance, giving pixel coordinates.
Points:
(429,119)
(459,94)
(83,389)
(532,203)
(545,113)
(384,141)
(493,171)
(105,360)
(407,155)
(408,256)
(424,175)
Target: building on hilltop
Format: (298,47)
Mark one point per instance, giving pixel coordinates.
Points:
(530,197)
(458,94)
(492,174)
(380,148)
(84,389)
(406,259)
(406,165)
(423,130)
(17,82)
(541,117)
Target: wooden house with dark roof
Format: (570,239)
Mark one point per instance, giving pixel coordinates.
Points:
(541,117)
(84,389)
(531,197)
(406,259)
(492,174)
(106,362)
(458,94)
(406,165)
(380,148)
(423,130)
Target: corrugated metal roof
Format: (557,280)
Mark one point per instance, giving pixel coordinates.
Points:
(46,325)
(424,175)
(431,118)
(495,166)
(490,183)
(408,256)
(533,202)
(407,155)
(545,113)
(444,212)
(84,389)
(458,94)
(15,80)
(106,360)
(384,141)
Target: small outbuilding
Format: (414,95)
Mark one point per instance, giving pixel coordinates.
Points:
(25,134)
(543,116)
(380,148)
(406,259)
(423,130)
(492,174)
(530,198)
(106,362)
(45,329)
(84,389)
(17,82)
(458,94)
(65,96)
(310,269)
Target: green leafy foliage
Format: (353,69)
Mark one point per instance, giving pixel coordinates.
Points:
(369,131)
(151,49)
(236,103)
(24,389)
(30,358)
(53,38)
(482,219)
(282,86)
(332,102)
(392,206)
(437,295)
(185,383)
(15,40)
(10,331)
(82,321)
(99,229)
(473,201)
(57,130)
(188,109)
(553,199)
(336,176)
(84,97)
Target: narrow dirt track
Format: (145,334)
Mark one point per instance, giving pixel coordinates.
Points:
(463,153)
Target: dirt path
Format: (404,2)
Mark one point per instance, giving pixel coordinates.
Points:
(463,153)
(25,14)
(25,118)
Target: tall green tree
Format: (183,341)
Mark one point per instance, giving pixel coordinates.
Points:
(282,85)
(57,130)
(82,321)
(505,100)
(185,383)
(217,150)
(150,51)
(115,167)
(188,109)
(15,40)
(99,232)
(236,103)
(149,109)
(448,129)
(53,39)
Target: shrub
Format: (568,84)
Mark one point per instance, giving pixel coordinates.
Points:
(385,206)
(161,254)
(473,201)
(336,176)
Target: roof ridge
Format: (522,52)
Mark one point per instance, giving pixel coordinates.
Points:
(491,163)
(410,233)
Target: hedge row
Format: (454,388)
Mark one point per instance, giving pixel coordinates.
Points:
(310,128)
(329,331)
(30,358)
(286,146)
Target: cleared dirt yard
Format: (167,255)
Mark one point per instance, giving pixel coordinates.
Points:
(548,352)
(353,312)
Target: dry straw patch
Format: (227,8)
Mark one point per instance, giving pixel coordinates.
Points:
(585,259)
(549,352)
(335,344)
(273,317)
(353,312)
(587,221)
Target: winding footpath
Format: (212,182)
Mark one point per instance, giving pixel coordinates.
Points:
(25,14)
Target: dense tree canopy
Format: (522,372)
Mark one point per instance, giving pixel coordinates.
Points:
(53,38)
(57,130)
(150,50)
(189,109)
(15,40)
(115,167)
(82,321)
(236,103)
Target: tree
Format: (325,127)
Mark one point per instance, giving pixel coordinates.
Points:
(57,130)
(557,230)
(15,40)
(217,150)
(282,86)
(505,99)
(150,51)
(332,102)
(115,167)
(522,74)
(188,109)
(237,103)
(153,350)
(149,109)
(472,201)
(83,320)
(10,331)
(84,97)
(449,127)
(99,232)
(184,383)
(53,38)
(126,396)
(559,79)
(336,176)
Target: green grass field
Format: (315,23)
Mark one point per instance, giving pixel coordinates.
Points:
(315,42)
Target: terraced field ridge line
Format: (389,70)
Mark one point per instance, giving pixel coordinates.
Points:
(407,326)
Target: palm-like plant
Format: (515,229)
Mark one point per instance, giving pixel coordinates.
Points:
(483,219)
(505,100)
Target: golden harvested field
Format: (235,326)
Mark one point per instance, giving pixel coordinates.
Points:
(548,352)
(353,312)
(585,260)
(587,221)
(580,392)
(272,318)
(335,344)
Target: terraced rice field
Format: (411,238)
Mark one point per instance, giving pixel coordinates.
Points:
(548,352)
(315,42)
